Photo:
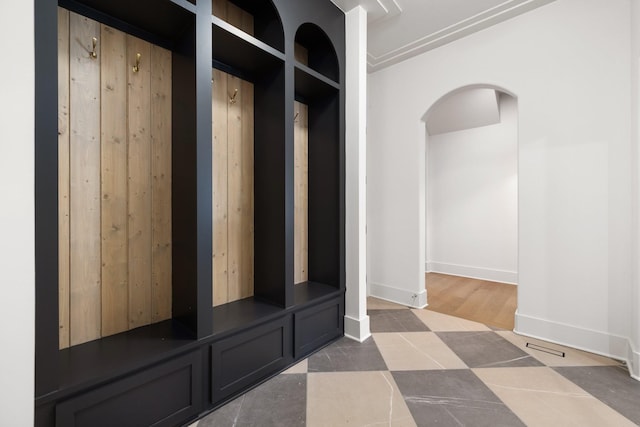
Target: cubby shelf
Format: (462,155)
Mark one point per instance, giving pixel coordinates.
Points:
(312,85)
(260,19)
(242,313)
(173,371)
(307,292)
(89,364)
(166,26)
(241,53)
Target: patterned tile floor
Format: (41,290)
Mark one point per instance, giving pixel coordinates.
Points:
(423,368)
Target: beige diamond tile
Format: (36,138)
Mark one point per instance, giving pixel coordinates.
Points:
(572,356)
(355,399)
(540,396)
(380,304)
(412,351)
(439,322)
(299,368)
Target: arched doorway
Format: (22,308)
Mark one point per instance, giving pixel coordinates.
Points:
(470,204)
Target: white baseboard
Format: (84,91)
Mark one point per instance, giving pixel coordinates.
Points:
(493,275)
(602,343)
(399,296)
(633,361)
(357,329)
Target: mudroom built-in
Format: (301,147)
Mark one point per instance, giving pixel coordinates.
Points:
(190,202)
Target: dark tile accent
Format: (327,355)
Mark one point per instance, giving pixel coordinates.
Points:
(610,384)
(486,350)
(454,397)
(348,355)
(395,321)
(281,401)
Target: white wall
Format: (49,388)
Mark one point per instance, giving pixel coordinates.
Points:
(17,275)
(472,195)
(568,64)
(634,348)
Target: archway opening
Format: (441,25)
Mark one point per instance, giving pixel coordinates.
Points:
(471,205)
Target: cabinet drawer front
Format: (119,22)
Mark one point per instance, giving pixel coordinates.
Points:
(250,356)
(162,396)
(317,326)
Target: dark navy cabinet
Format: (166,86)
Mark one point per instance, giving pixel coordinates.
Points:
(175,371)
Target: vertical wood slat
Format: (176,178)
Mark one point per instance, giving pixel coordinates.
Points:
(219,8)
(85,293)
(233,182)
(220,102)
(115,292)
(139,183)
(95,182)
(161,183)
(234,186)
(247,195)
(301,54)
(301,193)
(63,177)
(246,24)
(233,15)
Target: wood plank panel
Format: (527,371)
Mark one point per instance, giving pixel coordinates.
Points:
(301,193)
(63,177)
(139,183)
(247,23)
(301,54)
(220,102)
(161,183)
(115,292)
(234,189)
(233,130)
(85,294)
(219,8)
(246,197)
(233,15)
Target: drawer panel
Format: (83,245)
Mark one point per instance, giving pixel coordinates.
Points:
(316,326)
(249,356)
(165,395)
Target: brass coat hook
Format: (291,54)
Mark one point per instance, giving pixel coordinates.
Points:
(232,99)
(136,67)
(295,118)
(94,42)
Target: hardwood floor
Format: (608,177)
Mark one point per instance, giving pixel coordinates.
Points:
(491,303)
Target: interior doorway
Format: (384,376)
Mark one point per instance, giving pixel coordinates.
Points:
(471,204)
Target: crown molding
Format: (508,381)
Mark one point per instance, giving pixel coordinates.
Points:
(500,13)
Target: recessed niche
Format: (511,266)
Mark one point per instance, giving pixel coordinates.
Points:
(315,50)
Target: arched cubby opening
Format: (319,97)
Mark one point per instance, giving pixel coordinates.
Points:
(317,95)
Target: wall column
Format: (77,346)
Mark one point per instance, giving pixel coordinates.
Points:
(634,342)
(356,321)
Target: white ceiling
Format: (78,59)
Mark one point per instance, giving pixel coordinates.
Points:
(400,29)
